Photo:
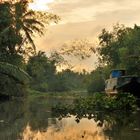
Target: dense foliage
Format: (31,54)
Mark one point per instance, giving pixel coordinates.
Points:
(120,48)
(111,54)
(45,77)
(18,25)
(96,81)
(98,102)
(12,79)
(41,70)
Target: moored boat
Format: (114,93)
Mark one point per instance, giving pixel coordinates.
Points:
(120,82)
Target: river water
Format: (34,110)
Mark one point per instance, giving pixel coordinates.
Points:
(34,120)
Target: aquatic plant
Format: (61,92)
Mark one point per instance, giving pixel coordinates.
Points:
(98,102)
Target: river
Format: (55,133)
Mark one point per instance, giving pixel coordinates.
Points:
(34,120)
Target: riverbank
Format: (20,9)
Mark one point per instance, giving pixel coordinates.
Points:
(70,94)
(25,119)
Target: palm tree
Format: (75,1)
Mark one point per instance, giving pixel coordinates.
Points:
(14,72)
(18,25)
(26,23)
(13,81)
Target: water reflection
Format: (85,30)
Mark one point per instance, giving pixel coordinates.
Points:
(34,120)
(67,129)
(11,119)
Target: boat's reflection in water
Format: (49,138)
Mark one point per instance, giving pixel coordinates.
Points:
(67,129)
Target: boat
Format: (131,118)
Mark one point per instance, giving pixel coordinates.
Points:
(120,82)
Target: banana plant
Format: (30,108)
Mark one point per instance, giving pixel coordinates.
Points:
(14,72)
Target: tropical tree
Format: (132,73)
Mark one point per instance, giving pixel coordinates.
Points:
(13,80)
(79,48)
(18,26)
(109,44)
(42,71)
(96,82)
(14,72)
(120,48)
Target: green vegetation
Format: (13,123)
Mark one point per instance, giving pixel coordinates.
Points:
(18,25)
(62,95)
(12,79)
(41,69)
(98,102)
(118,49)
(23,71)
(16,115)
(45,78)
(20,62)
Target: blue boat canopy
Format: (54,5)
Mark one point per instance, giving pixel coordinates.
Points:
(117,73)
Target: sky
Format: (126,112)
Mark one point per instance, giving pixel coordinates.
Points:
(82,19)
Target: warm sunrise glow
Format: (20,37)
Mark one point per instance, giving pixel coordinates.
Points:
(40,5)
(70,130)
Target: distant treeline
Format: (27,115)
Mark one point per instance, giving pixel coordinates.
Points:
(21,67)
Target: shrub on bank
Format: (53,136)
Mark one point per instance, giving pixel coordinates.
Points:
(98,102)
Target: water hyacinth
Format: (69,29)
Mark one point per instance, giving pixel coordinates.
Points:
(96,103)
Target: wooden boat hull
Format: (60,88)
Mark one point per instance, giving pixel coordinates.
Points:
(130,84)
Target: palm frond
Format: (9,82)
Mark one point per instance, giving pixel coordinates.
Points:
(14,72)
(36,29)
(26,30)
(30,13)
(32,21)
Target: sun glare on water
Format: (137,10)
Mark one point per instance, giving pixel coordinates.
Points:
(40,5)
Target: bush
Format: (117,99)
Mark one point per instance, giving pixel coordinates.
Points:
(98,102)
(10,87)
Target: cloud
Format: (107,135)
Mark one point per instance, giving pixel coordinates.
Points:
(81,10)
(86,19)
(59,34)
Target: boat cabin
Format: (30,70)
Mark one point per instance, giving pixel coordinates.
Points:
(120,82)
(112,82)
